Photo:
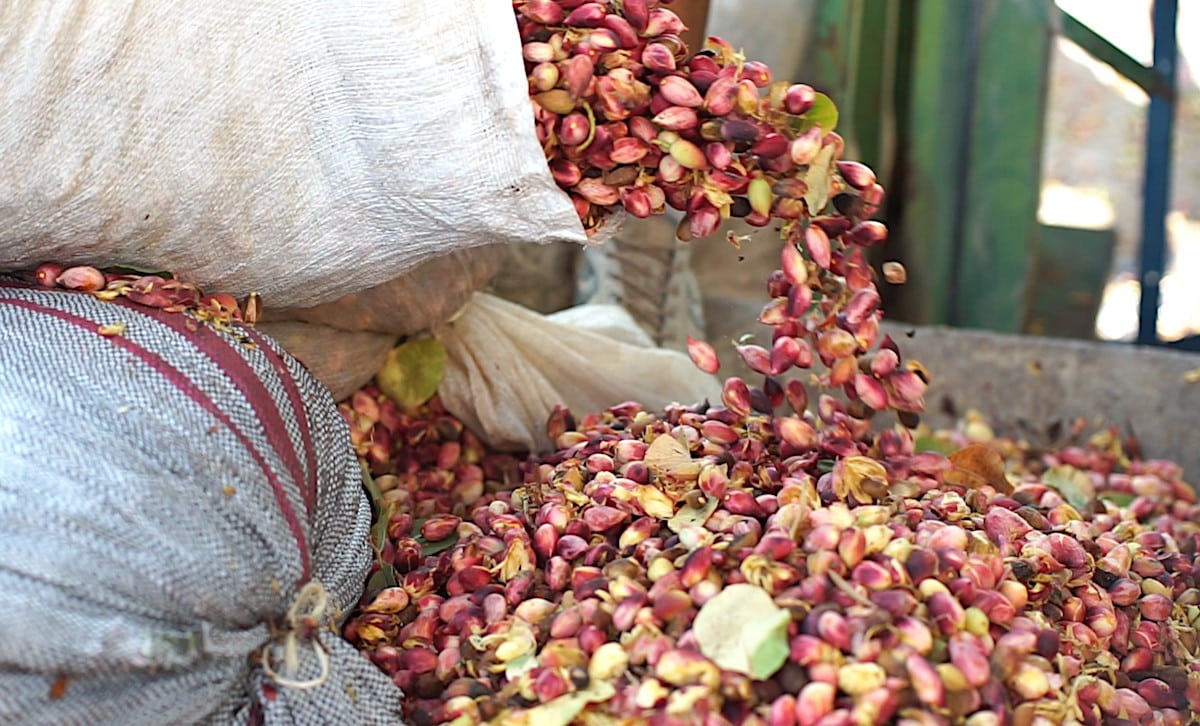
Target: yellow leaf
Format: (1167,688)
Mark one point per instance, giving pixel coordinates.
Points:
(413,372)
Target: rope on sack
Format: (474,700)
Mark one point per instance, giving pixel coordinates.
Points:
(302,622)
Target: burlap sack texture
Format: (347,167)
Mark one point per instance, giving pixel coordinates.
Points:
(346,341)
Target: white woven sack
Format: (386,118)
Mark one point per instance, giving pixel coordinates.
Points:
(508,366)
(301,149)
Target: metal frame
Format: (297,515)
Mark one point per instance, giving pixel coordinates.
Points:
(1159,83)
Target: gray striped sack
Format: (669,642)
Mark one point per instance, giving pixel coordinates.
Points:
(182,525)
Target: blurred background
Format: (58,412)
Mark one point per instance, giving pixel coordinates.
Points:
(1029,191)
(1093,168)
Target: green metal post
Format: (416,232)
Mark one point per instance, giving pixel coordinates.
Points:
(999,235)
(972,170)
(852,57)
(935,152)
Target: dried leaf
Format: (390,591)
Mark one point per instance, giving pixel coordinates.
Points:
(413,372)
(1109,441)
(563,710)
(689,516)
(112,329)
(665,452)
(252,309)
(977,465)
(741,629)
(818,178)
(518,559)
(1075,485)
(1192,376)
(667,457)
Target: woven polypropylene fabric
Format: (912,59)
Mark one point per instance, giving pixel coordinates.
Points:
(301,149)
(164,496)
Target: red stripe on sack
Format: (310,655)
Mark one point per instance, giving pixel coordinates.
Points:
(297,401)
(192,391)
(221,351)
(260,399)
(223,354)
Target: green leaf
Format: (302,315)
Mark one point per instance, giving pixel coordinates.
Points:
(383,578)
(1121,499)
(825,465)
(413,372)
(131,270)
(379,534)
(823,113)
(372,488)
(432,548)
(930,443)
(742,629)
(381,512)
(1075,485)
(770,645)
